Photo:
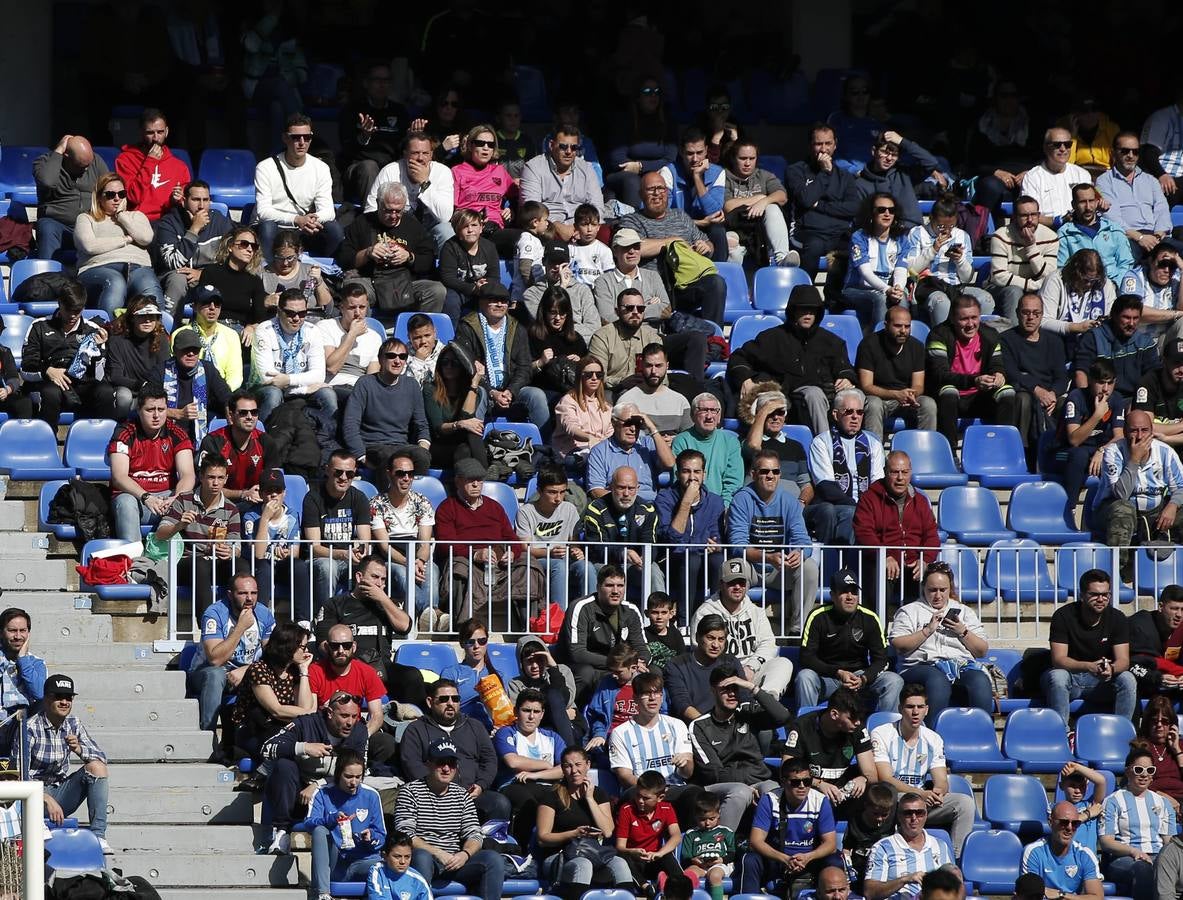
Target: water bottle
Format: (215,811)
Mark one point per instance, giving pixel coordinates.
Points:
(309,287)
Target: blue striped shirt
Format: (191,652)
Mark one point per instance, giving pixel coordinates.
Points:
(892,858)
(909,764)
(641,749)
(1144,823)
(1066,873)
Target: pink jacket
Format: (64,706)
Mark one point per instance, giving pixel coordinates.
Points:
(483,189)
(593,421)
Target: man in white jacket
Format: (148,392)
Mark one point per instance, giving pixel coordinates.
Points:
(288,358)
(430,190)
(749,634)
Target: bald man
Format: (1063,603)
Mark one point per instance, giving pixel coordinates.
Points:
(1069,869)
(66,177)
(832,884)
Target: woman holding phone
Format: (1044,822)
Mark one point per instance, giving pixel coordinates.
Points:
(938,640)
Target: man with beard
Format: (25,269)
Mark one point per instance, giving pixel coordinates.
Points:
(594,625)
(153,175)
(1022,255)
(890,365)
(653,397)
(1137,204)
(22,674)
(371,129)
(1089,230)
(1132,350)
(824,197)
(338,672)
(187,238)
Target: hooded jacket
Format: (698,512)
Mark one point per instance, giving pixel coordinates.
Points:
(173,247)
(939,349)
(557,677)
(879,522)
(729,751)
(150,182)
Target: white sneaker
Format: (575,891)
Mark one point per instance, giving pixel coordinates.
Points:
(281,843)
(790,259)
(324,897)
(107,851)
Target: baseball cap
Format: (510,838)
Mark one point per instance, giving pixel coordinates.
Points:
(1174,352)
(844,580)
(206,293)
(469,468)
(272,480)
(737,570)
(626,237)
(442,749)
(59,684)
(186,339)
(492,290)
(556,254)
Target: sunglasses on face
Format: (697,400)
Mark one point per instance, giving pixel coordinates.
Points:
(299,138)
(1066,823)
(880,210)
(1129,151)
(1059,145)
(570,147)
(402,356)
(339,645)
(476,642)
(114,195)
(719,107)
(913,813)
(1144,770)
(799,782)
(344,473)
(588,376)
(285,259)
(768,471)
(650,91)
(481,142)
(448,698)
(245,413)
(777,412)
(633,307)
(295,313)
(246,245)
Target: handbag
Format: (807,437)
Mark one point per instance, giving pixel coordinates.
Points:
(590,849)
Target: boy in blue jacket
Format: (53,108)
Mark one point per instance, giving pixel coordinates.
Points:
(393,878)
(613,702)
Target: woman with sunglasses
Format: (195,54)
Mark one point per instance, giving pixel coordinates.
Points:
(765,417)
(235,275)
(1159,732)
(584,415)
(1079,297)
(467,260)
(112,244)
(138,348)
(647,142)
(1135,824)
(555,345)
(487,188)
(474,641)
(456,403)
(286,270)
(447,126)
(938,639)
(879,250)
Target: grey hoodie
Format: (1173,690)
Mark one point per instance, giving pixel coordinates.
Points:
(559,676)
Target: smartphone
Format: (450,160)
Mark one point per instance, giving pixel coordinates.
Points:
(953,615)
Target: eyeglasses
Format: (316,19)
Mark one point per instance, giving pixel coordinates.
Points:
(1030,312)
(1129,151)
(402,356)
(712,410)
(344,473)
(246,245)
(114,195)
(447,698)
(633,307)
(476,642)
(655,190)
(799,782)
(1099,595)
(481,142)
(575,148)
(402,473)
(850,412)
(588,376)
(295,313)
(339,645)
(1066,823)
(1059,145)
(768,471)
(1144,770)
(650,92)
(913,813)
(298,138)
(880,210)
(341,697)
(247,413)
(284,259)
(1166,264)
(719,107)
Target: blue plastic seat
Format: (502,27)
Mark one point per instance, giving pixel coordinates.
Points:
(799,433)
(107,155)
(431,488)
(111,591)
(959,784)
(1037,740)
(749,327)
(1038,511)
(73,849)
(1073,560)
(29,451)
(504,658)
(347,888)
(530,88)
(24,268)
(230,174)
(1010,662)
(61,531)
(503,494)
(919,329)
(933,465)
(16,172)
(847,328)
(425,655)
(875,719)
(366,488)
(377,327)
(607,894)
(1016,803)
(772,286)
(991,861)
(970,741)
(738,303)
(16,330)
(971,515)
(967,573)
(993,455)
(506,274)
(444,329)
(1102,741)
(1154,574)
(1017,571)
(220,207)
(86,448)
(295,490)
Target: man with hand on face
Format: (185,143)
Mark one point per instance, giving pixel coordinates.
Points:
(1137,204)
(186,239)
(154,177)
(430,188)
(697,186)
(634,443)
(884,174)
(689,514)
(1157,282)
(1093,417)
(825,199)
(1023,253)
(66,177)
(22,674)
(351,346)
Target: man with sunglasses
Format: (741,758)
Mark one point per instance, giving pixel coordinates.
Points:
(336,672)
(220,344)
(1137,204)
(186,239)
(295,190)
(634,444)
(336,520)
(898,863)
(247,451)
(1068,868)
(843,462)
(288,359)
(1050,182)
(194,388)
(561,180)
(1157,281)
(1087,229)
(890,366)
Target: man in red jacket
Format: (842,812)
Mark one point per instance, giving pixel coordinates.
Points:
(893,514)
(153,176)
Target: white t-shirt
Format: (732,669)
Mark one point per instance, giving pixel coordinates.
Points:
(530,248)
(590,261)
(640,748)
(363,354)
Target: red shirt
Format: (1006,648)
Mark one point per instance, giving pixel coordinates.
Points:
(647,833)
(151,460)
(361,681)
(624,707)
(246,466)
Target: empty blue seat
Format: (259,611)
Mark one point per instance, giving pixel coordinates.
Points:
(1038,511)
(607,894)
(967,573)
(1016,803)
(506,273)
(24,268)
(993,455)
(504,658)
(295,490)
(970,741)
(772,286)
(431,488)
(61,531)
(73,849)
(738,303)
(1073,560)
(111,591)
(749,327)
(959,784)
(991,861)
(799,433)
(29,451)
(444,329)
(425,655)
(1102,741)
(530,88)
(16,329)
(847,328)
(933,465)
(230,174)
(86,448)
(919,329)
(971,515)
(1155,574)
(107,155)
(1037,740)
(366,488)
(16,172)
(503,494)
(347,888)
(1017,570)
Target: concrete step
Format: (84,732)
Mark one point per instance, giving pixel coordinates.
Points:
(22,574)
(154,713)
(75,655)
(216,805)
(196,776)
(24,544)
(185,838)
(48,602)
(245,869)
(233,894)
(72,626)
(141,745)
(138,682)
(13,515)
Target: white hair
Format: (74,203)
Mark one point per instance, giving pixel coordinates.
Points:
(848,392)
(702,398)
(393,190)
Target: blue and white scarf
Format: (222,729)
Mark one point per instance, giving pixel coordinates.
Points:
(200,395)
(862,464)
(289,349)
(495,351)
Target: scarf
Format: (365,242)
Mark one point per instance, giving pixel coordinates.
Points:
(289,349)
(1082,307)
(207,345)
(200,396)
(862,464)
(495,351)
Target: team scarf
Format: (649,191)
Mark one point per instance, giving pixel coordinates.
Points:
(200,395)
(862,463)
(495,351)
(289,349)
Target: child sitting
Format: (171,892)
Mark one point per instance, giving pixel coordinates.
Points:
(614,702)
(393,878)
(590,258)
(534,220)
(345,821)
(647,832)
(708,849)
(665,641)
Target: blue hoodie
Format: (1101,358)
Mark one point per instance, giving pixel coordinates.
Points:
(779,522)
(684,197)
(366,808)
(386,884)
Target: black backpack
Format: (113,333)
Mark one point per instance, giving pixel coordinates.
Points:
(85,506)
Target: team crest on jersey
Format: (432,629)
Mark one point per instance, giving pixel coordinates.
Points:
(362,815)
(639,519)
(404,895)
(255,459)
(1142,395)
(807,826)
(497,180)
(792,741)
(857,635)
(657,824)
(1071,871)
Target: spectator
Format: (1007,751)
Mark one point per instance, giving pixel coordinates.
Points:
(664,637)
(688,676)
(337,671)
(396,254)
(719,131)
(1074,780)
(659,226)
(456,404)
(590,257)
(1135,824)
(185,240)
(1078,297)
(625,337)
(937,639)
(561,180)
(1087,229)
(883,174)
(1035,363)
(248,452)
(647,832)
(425,347)
(556,346)
(1157,281)
(584,417)
(193,389)
(66,178)
(286,270)
(766,431)
(945,252)
(1088,661)
(944,883)
(1092,133)
(720,449)
(1050,182)
(653,742)
(274,532)
(614,701)
(486,187)
(1023,255)
(799,821)
(1162,147)
(1150,633)
(155,178)
(547,525)
(468,260)
(553,681)
(1141,482)
(690,522)
(583,315)
(1168,882)
(833,883)
(753,203)
(113,242)
(472,749)
(842,646)
(894,515)
(138,345)
(966,370)
(302,754)
(219,343)
(645,142)
(824,199)
(516,146)
(1132,351)
(617,522)
(874,821)
(646,454)
(810,362)
(844,462)
(295,189)
(371,129)
(350,345)
(13,401)
(288,359)
(431,195)
(594,625)
(1159,392)
(910,755)
(697,187)
(336,524)
(385,414)
(837,749)
(401,515)
(22,673)
(768,521)
(628,273)
(235,276)
(902,859)
(1159,725)
(1136,201)
(54,734)
(151,465)
(877,276)
(653,397)
(473,668)
(890,365)
(479,552)
(529,756)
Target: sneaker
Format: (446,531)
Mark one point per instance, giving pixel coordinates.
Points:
(427,619)
(792,259)
(324,897)
(1072,742)
(281,843)
(107,851)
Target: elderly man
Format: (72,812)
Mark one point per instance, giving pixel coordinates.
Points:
(66,177)
(186,239)
(1036,364)
(561,180)
(1157,282)
(724,462)
(825,199)
(626,334)
(646,454)
(616,525)
(1050,182)
(1132,350)
(288,358)
(1064,864)
(1089,230)
(1023,254)
(430,191)
(899,862)
(890,365)
(153,176)
(1137,204)
(396,253)
(843,462)
(659,226)
(810,362)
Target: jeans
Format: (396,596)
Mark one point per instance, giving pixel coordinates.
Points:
(922,416)
(325,858)
(79,786)
(531,402)
(129,514)
(1061,687)
(1006,300)
(52,236)
(580,871)
(426,594)
(1133,878)
(483,875)
(325,242)
(973,684)
(811,689)
(208,684)
(815,245)
(270,397)
(830,523)
(107,286)
(938,303)
(870,304)
(561,573)
(327,576)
